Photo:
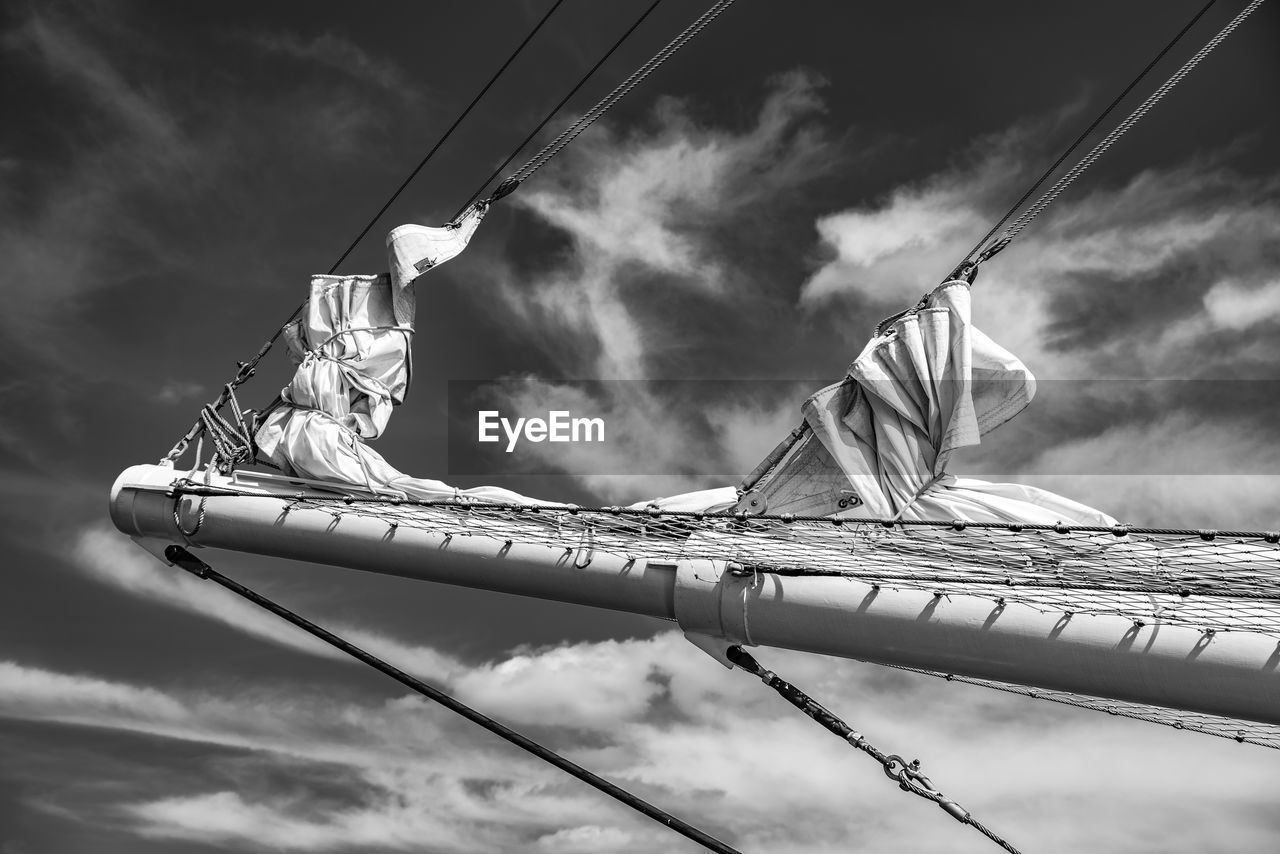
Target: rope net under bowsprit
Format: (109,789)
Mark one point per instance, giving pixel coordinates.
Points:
(1211,581)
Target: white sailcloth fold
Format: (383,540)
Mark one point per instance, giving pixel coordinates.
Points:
(929,385)
(352,347)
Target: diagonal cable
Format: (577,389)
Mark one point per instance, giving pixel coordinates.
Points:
(1085,134)
(550,115)
(184,559)
(246,369)
(589,118)
(1120,130)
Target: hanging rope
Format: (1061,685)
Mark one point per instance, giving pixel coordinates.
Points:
(186,560)
(907,774)
(589,118)
(971,262)
(245,370)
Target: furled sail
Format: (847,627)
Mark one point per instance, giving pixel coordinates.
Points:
(352,347)
(877,443)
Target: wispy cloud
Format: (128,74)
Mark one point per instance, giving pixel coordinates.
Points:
(646,217)
(334,51)
(70,238)
(127,210)
(176,391)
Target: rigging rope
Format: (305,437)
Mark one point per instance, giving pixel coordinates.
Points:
(1252,732)
(441,141)
(1081,138)
(554,110)
(585,121)
(907,774)
(1120,130)
(1207,580)
(192,564)
(245,370)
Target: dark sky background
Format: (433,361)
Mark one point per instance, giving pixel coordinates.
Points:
(170,175)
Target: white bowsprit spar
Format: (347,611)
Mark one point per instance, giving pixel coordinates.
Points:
(1182,620)
(851,539)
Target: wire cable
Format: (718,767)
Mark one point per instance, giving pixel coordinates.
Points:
(1120,130)
(906,774)
(589,118)
(556,109)
(405,183)
(192,564)
(1085,134)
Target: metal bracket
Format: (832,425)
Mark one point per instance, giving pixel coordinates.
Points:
(711,606)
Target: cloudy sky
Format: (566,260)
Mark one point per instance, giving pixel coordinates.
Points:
(171,173)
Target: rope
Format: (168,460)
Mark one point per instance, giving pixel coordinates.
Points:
(186,487)
(589,118)
(549,116)
(1120,130)
(1083,136)
(441,141)
(1258,734)
(907,774)
(192,564)
(245,370)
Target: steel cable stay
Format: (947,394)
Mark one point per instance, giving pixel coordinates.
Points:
(906,774)
(180,557)
(1098,150)
(1081,138)
(569,134)
(967,269)
(553,112)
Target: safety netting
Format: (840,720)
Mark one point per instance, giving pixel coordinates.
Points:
(1211,581)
